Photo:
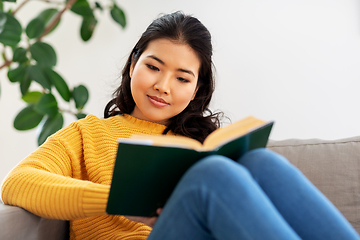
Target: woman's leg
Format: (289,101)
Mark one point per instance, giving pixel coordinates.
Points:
(218,199)
(302,205)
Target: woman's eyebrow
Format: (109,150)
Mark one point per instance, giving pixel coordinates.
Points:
(157,59)
(186,71)
(162,62)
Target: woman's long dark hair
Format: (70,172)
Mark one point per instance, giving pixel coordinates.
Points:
(196,120)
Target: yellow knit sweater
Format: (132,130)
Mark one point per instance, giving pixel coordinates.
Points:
(69,177)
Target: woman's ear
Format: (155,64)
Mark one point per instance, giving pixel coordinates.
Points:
(131,69)
(197,88)
(132,65)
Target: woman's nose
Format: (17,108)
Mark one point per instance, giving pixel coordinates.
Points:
(163,85)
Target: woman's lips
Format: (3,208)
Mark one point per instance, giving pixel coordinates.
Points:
(158,102)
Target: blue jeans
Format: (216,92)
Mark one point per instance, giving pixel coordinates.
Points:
(262,196)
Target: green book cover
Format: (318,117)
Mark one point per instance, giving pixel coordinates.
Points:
(144,176)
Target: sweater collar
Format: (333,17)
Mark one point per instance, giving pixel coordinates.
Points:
(154,128)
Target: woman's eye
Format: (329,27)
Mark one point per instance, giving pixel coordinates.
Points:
(152,67)
(183,80)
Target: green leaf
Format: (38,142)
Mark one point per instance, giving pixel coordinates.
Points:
(47,16)
(51,125)
(82,7)
(36,73)
(47,105)
(27,118)
(11,34)
(35,28)
(20,55)
(81,96)
(9,0)
(87,27)
(32,97)
(2,21)
(17,74)
(43,53)
(80,115)
(25,84)
(59,83)
(118,15)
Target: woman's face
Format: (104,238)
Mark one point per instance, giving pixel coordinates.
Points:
(164,80)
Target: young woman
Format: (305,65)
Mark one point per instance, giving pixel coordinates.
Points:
(166,88)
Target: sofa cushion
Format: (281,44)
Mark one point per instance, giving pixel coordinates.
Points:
(332,166)
(17,223)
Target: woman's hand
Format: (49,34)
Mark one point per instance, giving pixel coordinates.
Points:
(150,221)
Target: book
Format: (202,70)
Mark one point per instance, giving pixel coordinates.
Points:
(148,167)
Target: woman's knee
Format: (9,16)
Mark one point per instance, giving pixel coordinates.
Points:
(261,161)
(215,164)
(217,169)
(262,156)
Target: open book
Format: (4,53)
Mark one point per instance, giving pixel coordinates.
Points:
(148,167)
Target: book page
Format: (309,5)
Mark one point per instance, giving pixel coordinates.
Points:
(230,132)
(215,139)
(165,140)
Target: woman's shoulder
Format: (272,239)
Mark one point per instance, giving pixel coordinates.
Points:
(90,125)
(121,125)
(93,123)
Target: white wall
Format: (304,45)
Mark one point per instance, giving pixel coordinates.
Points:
(296,62)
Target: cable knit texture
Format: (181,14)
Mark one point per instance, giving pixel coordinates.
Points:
(69,177)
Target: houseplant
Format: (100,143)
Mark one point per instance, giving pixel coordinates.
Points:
(30,61)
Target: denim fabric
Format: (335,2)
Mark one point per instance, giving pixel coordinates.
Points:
(262,196)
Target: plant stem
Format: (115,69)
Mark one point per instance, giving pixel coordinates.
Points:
(67,111)
(56,19)
(7,61)
(49,1)
(20,6)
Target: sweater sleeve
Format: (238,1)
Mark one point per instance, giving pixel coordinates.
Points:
(51,182)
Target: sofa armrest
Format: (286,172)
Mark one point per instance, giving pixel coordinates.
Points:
(17,223)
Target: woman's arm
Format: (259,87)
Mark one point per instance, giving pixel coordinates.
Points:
(50,182)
